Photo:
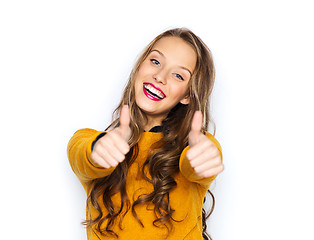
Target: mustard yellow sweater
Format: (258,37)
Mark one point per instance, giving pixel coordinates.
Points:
(186,199)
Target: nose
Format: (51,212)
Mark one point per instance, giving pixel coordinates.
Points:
(160,77)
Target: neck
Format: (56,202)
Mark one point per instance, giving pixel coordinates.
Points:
(152,122)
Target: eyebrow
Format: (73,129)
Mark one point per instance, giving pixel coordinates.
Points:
(156,50)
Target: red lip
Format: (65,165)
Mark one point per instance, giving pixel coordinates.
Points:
(151,96)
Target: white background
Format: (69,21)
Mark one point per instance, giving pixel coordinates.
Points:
(63,66)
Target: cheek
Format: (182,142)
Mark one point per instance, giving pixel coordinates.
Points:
(139,76)
(138,85)
(144,69)
(179,91)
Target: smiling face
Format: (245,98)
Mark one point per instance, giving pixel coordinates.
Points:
(163,78)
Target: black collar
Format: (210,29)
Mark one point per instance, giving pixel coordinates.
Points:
(156,129)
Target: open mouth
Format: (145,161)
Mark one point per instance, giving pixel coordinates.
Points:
(153,92)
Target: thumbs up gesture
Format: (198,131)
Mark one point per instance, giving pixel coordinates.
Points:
(111,149)
(203,154)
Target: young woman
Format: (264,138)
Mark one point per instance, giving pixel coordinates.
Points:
(146,176)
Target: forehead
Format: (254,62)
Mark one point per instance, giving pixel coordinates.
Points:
(177,52)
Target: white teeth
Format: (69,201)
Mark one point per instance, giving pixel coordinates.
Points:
(154,90)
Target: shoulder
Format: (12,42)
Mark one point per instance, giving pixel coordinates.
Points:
(86,131)
(84,135)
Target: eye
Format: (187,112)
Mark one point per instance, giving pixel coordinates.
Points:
(154,61)
(179,76)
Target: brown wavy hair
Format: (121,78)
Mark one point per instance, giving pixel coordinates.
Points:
(163,159)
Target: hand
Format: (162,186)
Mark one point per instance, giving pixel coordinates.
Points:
(111,149)
(203,154)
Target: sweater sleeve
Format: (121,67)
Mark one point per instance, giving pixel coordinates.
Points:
(188,171)
(79,150)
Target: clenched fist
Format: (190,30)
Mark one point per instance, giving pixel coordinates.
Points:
(203,154)
(111,149)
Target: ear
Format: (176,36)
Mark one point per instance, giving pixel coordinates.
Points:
(185,100)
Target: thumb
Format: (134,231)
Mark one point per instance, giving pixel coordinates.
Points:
(196,127)
(124,126)
(125,116)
